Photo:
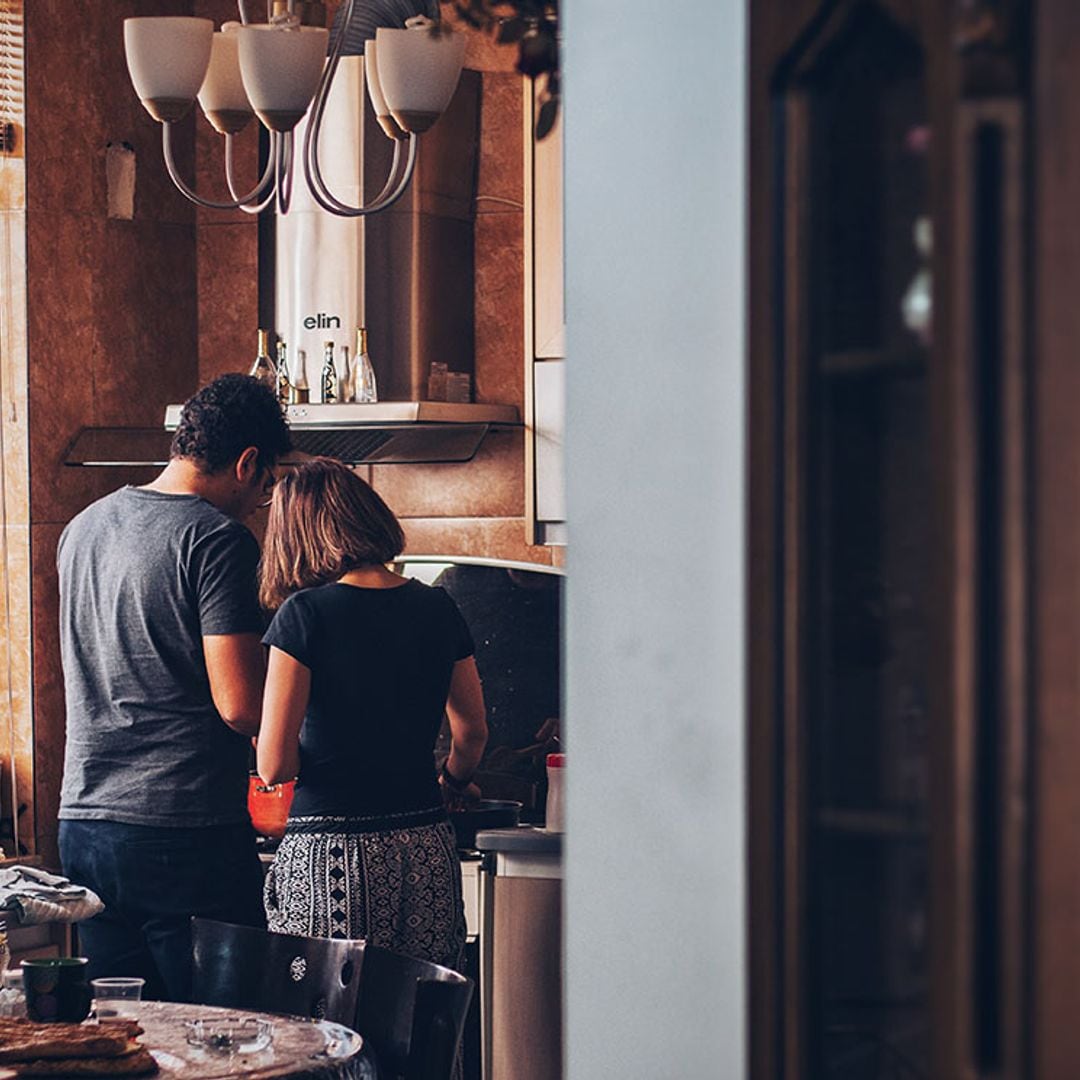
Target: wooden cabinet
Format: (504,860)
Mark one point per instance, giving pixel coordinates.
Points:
(891,700)
(545,329)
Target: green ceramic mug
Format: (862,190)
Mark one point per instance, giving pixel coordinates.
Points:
(56,989)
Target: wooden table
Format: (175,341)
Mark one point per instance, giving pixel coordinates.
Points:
(300,1050)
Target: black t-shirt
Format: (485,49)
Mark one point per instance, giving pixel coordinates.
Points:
(380,662)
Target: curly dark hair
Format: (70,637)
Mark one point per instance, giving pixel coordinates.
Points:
(226,417)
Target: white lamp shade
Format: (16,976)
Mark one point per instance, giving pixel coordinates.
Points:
(378,101)
(222,95)
(281,69)
(167,57)
(418,72)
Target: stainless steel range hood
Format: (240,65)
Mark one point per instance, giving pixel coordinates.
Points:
(387,433)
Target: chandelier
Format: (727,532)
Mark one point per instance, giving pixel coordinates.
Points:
(280,71)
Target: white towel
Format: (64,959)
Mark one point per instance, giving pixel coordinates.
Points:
(36,896)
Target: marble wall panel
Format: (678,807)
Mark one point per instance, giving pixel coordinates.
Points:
(487,537)
(491,485)
(48,688)
(63,336)
(499,309)
(79,99)
(501,172)
(111,315)
(149,341)
(482,52)
(228,299)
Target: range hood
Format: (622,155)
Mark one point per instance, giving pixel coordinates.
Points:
(386,433)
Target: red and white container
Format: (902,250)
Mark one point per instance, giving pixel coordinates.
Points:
(553,816)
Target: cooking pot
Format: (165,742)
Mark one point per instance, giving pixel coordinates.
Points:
(485,814)
(268,805)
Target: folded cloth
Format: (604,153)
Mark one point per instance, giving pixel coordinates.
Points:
(36,896)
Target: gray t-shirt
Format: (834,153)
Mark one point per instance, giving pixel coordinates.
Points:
(143,577)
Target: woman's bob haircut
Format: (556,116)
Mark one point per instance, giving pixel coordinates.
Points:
(324,522)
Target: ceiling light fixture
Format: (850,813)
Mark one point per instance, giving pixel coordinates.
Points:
(276,71)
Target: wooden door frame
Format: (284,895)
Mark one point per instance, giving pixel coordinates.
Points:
(776,786)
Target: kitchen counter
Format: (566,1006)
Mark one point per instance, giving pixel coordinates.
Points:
(523,839)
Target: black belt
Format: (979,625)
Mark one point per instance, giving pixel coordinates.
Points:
(352,824)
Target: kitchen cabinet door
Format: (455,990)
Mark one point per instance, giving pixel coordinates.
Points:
(545,329)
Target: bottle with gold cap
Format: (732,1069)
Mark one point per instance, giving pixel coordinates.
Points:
(364,386)
(263,369)
(299,394)
(284,387)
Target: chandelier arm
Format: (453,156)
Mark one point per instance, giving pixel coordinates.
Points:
(383,201)
(389,195)
(325,198)
(265,180)
(392,190)
(177,179)
(332,205)
(284,172)
(395,162)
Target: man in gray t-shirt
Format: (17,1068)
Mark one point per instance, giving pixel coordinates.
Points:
(163,671)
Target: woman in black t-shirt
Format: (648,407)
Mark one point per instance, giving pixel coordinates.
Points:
(362,665)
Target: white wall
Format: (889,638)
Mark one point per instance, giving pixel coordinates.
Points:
(655,212)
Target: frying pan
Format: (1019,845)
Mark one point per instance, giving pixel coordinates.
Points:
(485,814)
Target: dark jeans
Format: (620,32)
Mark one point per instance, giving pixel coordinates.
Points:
(152,881)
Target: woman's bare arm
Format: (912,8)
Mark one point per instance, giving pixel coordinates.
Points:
(288,684)
(468,720)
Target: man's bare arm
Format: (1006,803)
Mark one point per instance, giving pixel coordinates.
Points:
(236,664)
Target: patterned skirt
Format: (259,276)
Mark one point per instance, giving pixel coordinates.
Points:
(399,888)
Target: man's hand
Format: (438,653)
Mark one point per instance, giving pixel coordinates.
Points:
(549,730)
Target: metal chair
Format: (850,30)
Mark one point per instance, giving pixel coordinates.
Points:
(241,967)
(411,1014)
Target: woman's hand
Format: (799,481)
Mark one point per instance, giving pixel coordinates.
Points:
(459,798)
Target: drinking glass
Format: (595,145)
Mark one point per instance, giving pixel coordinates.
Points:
(116,998)
(56,989)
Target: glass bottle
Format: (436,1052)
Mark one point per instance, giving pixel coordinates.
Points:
(364,386)
(263,369)
(284,387)
(331,389)
(300,394)
(345,376)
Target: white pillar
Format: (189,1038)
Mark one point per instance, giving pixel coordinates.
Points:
(656,401)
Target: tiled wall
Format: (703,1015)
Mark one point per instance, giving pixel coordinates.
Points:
(127,315)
